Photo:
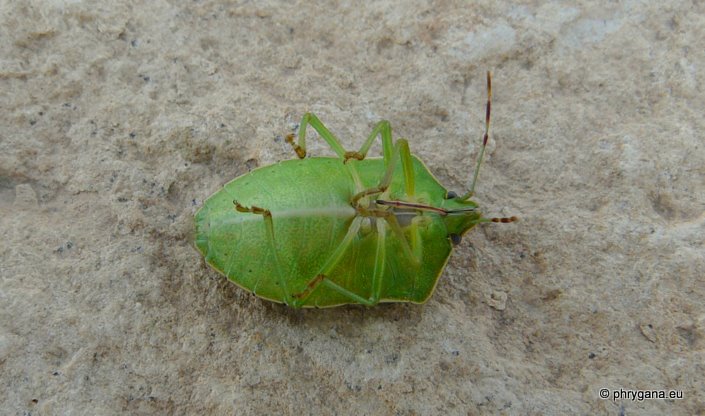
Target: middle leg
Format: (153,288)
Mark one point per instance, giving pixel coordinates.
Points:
(322,278)
(401,148)
(329,265)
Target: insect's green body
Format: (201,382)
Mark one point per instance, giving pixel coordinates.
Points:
(310,224)
(323,232)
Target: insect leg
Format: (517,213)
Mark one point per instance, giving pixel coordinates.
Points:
(407,168)
(380,260)
(401,148)
(310,119)
(382,129)
(413,255)
(321,277)
(269,225)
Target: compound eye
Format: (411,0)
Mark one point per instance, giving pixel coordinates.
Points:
(451,195)
(455,239)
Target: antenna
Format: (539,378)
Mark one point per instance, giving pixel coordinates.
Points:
(471,192)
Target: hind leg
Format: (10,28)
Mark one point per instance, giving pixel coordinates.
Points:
(269,226)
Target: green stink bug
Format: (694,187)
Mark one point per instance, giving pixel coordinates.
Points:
(325,231)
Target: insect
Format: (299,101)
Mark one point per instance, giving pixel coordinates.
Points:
(328,231)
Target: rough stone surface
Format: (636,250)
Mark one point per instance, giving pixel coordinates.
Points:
(119,119)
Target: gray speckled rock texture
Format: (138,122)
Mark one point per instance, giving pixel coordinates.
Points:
(119,119)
